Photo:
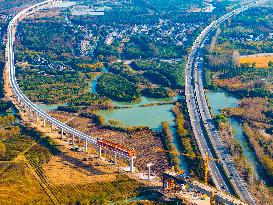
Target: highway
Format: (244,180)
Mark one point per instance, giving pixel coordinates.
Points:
(19,95)
(224,175)
(201,121)
(219,196)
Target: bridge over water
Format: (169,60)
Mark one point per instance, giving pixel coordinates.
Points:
(117,150)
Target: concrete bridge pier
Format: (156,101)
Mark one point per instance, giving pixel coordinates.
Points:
(132,164)
(73,139)
(37,117)
(149,170)
(29,113)
(100,151)
(165,183)
(21,104)
(44,122)
(85,146)
(62,133)
(52,128)
(115,157)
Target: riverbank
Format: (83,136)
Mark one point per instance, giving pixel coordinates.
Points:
(219,101)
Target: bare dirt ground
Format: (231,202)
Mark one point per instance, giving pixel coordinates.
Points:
(73,172)
(69,166)
(53,12)
(144,141)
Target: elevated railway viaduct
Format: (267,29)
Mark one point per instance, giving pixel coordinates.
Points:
(198,111)
(117,150)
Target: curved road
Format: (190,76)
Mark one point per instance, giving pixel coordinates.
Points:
(16,89)
(203,127)
(225,175)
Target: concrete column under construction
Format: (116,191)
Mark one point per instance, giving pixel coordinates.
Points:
(29,113)
(149,170)
(115,157)
(37,117)
(100,151)
(73,139)
(44,122)
(62,133)
(132,165)
(165,182)
(86,146)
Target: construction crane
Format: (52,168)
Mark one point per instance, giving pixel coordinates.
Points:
(206,159)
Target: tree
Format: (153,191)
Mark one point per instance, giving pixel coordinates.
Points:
(2,148)
(220,118)
(236,58)
(270,64)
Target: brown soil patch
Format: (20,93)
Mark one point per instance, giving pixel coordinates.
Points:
(63,171)
(144,141)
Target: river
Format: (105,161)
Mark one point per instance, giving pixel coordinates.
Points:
(150,116)
(137,115)
(153,116)
(219,100)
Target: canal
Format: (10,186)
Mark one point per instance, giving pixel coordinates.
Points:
(219,100)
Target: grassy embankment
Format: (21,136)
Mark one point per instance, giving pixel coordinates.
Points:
(187,140)
(22,168)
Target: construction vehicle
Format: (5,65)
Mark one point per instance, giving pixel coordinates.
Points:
(206,160)
(116,147)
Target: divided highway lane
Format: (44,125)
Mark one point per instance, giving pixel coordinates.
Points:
(203,127)
(192,96)
(15,87)
(221,182)
(217,143)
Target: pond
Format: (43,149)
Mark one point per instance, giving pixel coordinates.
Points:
(50,107)
(149,116)
(136,115)
(219,100)
(10,111)
(95,81)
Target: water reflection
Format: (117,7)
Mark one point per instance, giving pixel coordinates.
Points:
(219,100)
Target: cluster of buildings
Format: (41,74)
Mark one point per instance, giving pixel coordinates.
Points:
(164,32)
(40,61)
(252,37)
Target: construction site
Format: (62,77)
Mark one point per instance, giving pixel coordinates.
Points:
(92,154)
(79,161)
